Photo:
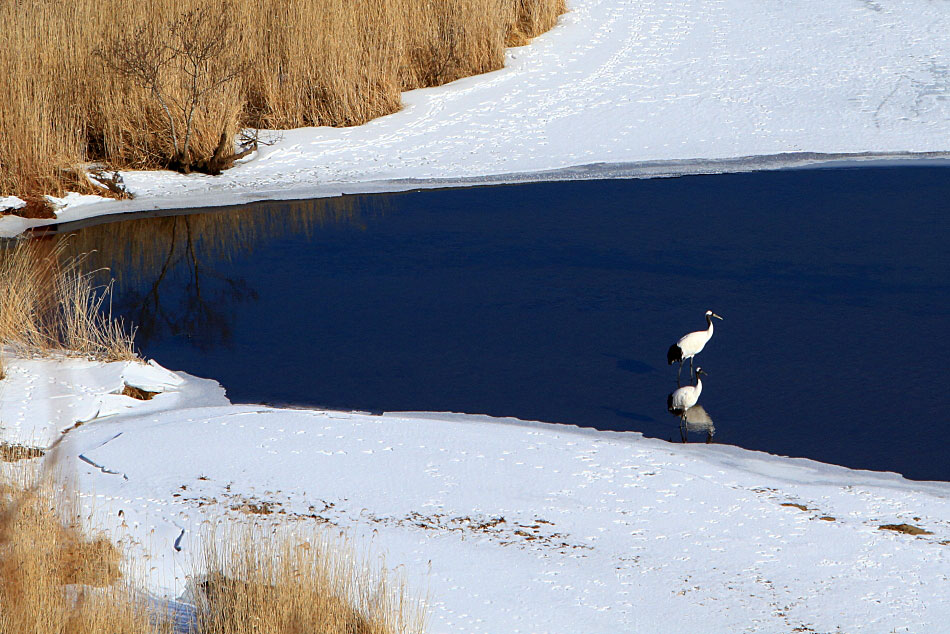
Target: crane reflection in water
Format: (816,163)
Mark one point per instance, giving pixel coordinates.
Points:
(697,419)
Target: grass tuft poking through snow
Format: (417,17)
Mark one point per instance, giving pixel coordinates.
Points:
(272,584)
(55,578)
(48,305)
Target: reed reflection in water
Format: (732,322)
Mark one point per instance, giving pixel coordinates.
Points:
(173,270)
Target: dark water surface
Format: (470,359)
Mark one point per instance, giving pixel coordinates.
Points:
(557,302)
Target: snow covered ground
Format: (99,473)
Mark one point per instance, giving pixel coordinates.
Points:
(509,526)
(624,88)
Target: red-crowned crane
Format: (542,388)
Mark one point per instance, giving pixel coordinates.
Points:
(690,345)
(681,399)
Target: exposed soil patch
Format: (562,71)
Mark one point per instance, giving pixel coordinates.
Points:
(14,453)
(34,208)
(907,529)
(138,393)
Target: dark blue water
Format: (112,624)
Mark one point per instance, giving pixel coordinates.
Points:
(558,301)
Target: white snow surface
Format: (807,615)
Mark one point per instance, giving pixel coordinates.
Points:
(624,88)
(507,526)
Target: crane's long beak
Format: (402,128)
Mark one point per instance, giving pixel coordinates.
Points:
(716,316)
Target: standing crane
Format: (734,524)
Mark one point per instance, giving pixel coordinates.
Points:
(682,399)
(690,345)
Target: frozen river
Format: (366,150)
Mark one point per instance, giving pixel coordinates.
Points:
(557,302)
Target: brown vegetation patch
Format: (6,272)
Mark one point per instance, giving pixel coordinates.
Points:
(800,507)
(534,18)
(12,452)
(138,393)
(827,518)
(907,529)
(40,556)
(88,562)
(537,533)
(252,507)
(278,584)
(231,605)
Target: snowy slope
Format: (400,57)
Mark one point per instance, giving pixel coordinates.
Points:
(616,87)
(526,527)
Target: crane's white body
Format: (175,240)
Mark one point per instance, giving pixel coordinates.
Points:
(690,345)
(693,343)
(685,397)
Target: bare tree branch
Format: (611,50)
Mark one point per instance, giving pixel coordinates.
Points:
(197,46)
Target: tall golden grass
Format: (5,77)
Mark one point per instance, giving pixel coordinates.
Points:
(47,304)
(268,583)
(303,62)
(56,578)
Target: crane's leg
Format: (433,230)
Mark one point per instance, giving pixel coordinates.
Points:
(683,430)
(678,373)
(692,372)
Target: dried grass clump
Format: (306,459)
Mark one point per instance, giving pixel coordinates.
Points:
(276,584)
(122,82)
(47,304)
(54,578)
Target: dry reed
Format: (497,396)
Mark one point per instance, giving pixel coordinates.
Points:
(48,305)
(53,577)
(276,584)
(303,62)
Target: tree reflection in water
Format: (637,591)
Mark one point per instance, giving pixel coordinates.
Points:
(173,271)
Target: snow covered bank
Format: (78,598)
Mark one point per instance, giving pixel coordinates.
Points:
(42,398)
(512,526)
(664,87)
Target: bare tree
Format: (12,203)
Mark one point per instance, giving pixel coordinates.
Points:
(196,48)
(202,40)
